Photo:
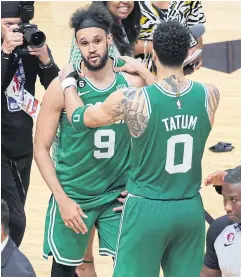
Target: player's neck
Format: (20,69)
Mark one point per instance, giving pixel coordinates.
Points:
(102,77)
(163,72)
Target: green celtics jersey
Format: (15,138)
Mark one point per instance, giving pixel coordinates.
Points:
(167,156)
(92,165)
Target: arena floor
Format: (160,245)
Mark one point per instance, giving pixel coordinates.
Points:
(223,24)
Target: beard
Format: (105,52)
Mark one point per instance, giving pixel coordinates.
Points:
(101,65)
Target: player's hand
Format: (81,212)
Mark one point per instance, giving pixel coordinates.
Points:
(12,40)
(216,178)
(121,200)
(42,53)
(72,215)
(131,65)
(64,72)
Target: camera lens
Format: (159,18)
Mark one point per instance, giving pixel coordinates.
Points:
(38,39)
(34,37)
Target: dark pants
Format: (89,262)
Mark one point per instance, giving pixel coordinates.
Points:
(59,270)
(15,182)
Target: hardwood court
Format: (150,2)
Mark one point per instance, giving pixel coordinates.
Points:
(223,23)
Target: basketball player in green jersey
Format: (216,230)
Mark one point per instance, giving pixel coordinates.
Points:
(92,164)
(162,221)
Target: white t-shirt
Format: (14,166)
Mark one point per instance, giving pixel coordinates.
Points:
(224,247)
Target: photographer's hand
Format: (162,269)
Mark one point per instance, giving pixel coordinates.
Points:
(12,40)
(41,53)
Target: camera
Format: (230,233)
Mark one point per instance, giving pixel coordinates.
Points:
(31,35)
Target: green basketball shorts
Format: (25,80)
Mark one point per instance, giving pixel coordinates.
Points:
(67,247)
(154,234)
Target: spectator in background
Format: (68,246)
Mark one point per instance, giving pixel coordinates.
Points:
(125,30)
(13,262)
(18,74)
(188,13)
(224,235)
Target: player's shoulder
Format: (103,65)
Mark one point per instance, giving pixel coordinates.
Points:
(218,226)
(211,87)
(134,80)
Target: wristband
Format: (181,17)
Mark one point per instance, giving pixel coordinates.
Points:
(77,119)
(68,82)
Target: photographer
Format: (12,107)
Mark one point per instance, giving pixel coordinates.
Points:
(24,55)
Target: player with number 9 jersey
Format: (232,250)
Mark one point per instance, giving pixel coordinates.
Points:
(163,221)
(92,166)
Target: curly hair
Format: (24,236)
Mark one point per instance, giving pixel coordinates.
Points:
(171,41)
(131,26)
(96,12)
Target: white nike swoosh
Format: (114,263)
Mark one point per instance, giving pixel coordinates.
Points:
(80,94)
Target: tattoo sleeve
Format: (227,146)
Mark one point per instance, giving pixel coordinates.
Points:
(135,109)
(213,99)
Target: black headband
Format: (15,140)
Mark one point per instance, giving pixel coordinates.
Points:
(89,22)
(10,9)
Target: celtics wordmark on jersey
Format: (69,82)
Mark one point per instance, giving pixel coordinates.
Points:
(92,165)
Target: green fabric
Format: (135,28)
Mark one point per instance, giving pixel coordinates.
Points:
(69,248)
(92,165)
(167,157)
(156,233)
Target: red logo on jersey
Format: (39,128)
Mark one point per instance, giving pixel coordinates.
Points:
(230,237)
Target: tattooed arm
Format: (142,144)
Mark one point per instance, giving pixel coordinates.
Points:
(127,104)
(213,96)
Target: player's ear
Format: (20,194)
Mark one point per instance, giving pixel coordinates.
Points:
(109,39)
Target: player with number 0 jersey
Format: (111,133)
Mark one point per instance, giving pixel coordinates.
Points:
(163,222)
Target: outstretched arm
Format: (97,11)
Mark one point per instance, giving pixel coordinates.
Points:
(134,66)
(129,104)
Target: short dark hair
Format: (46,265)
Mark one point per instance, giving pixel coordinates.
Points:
(4,216)
(233,176)
(171,41)
(96,12)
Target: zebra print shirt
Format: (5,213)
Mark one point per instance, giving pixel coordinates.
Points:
(188,13)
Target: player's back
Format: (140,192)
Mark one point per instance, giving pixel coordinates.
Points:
(93,164)
(167,156)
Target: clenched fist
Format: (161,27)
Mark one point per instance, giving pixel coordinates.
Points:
(12,40)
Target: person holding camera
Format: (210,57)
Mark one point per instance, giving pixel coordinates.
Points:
(24,56)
